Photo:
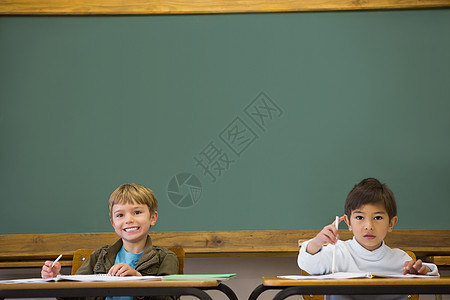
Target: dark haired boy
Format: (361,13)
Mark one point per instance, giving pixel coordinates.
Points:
(370,213)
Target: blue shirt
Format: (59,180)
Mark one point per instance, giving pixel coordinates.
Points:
(130,259)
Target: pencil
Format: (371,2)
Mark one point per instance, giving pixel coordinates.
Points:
(333,266)
(56,260)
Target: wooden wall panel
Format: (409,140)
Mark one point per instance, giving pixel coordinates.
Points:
(30,250)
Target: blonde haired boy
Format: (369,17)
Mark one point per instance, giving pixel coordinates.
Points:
(132,212)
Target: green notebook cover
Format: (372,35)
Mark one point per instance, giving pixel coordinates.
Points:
(194,277)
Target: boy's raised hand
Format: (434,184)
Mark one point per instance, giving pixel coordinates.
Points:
(328,235)
(49,272)
(415,267)
(123,270)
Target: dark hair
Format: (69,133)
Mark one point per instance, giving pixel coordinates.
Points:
(371,191)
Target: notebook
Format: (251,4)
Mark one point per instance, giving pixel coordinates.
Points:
(83,278)
(202,277)
(349,275)
(101,277)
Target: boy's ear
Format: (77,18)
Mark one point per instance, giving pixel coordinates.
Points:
(153,218)
(392,223)
(347,221)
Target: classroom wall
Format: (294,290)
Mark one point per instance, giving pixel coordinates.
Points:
(241,121)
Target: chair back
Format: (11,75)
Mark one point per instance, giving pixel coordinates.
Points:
(81,255)
(179,252)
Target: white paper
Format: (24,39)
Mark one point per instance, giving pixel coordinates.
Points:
(103,277)
(26,280)
(83,278)
(349,275)
(337,275)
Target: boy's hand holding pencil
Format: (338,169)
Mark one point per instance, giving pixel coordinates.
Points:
(51,268)
(328,235)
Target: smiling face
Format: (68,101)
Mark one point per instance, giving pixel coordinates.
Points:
(370,224)
(132,221)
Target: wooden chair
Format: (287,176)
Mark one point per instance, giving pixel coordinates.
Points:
(179,252)
(321,297)
(81,255)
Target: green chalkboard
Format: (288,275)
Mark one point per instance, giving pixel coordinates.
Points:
(244,121)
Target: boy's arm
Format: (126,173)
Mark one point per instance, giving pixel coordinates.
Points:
(317,263)
(313,257)
(169,264)
(163,263)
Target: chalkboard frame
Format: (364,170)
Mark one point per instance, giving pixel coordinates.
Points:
(139,7)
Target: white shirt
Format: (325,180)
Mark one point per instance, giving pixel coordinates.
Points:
(352,257)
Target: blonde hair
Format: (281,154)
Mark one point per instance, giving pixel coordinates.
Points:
(130,193)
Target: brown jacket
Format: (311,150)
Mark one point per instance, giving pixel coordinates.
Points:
(154,261)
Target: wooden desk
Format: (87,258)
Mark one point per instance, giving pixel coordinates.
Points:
(360,286)
(117,288)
